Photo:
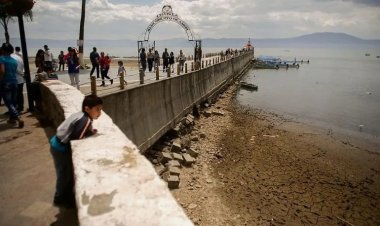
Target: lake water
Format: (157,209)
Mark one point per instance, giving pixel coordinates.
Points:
(339,90)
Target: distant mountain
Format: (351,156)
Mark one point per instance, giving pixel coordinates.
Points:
(129,47)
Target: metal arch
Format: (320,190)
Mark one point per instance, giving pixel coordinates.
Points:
(168,15)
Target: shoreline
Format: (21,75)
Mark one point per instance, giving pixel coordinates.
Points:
(257,168)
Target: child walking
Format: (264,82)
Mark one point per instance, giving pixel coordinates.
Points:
(77,126)
(121,71)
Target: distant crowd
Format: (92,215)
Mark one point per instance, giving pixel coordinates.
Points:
(152,60)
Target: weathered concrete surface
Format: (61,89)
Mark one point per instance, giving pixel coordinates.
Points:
(114,183)
(145,113)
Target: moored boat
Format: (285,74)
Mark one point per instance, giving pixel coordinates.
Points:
(248,86)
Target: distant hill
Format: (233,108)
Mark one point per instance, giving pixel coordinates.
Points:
(127,47)
(325,39)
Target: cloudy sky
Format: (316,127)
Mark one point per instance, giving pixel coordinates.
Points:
(128,19)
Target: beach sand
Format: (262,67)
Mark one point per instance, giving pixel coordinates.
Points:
(257,168)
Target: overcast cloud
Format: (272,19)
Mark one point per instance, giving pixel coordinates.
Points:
(123,19)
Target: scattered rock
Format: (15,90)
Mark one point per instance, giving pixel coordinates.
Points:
(173,182)
(188,160)
(177,157)
(192,206)
(193,152)
(207,113)
(164,157)
(176,146)
(202,135)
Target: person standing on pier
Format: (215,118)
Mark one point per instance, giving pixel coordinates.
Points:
(73,68)
(181,60)
(48,58)
(94,58)
(156,60)
(20,80)
(165,60)
(171,61)
(105,62)
(150,57)
(143,59)
(61,61)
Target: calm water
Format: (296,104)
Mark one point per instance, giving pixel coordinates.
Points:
(338,90)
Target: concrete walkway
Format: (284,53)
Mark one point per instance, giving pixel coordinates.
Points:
(27,180)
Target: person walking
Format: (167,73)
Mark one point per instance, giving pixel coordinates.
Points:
(94,58)
(61,60)
(165,60)
(20,81)
(8,84)
(104,62)
(150,57)
(73,68)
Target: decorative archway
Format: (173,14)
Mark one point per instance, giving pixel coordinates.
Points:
(168,15)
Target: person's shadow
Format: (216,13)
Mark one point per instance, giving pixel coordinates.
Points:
(66,217)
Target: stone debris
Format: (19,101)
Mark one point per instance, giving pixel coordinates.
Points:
(174,163)
(164,157)
(207,113)
(173,181)
(193,152)
(188,160)
(174,170)
(177,157)
(219,113)
(176,146)
(192,206)
(202,135)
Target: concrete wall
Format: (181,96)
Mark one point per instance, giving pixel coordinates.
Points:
(114,183)
(145,113)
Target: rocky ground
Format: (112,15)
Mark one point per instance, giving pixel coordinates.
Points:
(256,168)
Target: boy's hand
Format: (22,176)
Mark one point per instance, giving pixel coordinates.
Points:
(95,131)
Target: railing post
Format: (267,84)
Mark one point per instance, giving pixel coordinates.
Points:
(203,64)
(213,61)
(178,69)
(192,66)
(168,71)
(142,74)
(157,73)
(93,85)
(185,68)
(121,78)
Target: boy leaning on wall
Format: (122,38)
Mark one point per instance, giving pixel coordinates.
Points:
(77,126)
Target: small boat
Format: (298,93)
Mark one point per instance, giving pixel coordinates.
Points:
(367,54)
(248,86)
(377,56)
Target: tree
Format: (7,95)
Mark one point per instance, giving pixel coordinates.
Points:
(9,9)
(81,32)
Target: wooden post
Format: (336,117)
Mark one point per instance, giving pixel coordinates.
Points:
(185,68)
(93,85)
(121,78)
(157,73)
(192,66)
(168,71)
(142,75)
(178,69)
(203,64)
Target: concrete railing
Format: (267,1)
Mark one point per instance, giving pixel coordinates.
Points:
(114,183)
(147,112)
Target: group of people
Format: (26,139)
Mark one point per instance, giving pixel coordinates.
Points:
(12,82)
(152,59)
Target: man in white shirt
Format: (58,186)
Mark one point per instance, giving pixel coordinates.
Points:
(48,58)
(20,81)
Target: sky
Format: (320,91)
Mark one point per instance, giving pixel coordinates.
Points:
(128,19)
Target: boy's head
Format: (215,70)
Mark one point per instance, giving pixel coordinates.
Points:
(92,105)
(120,63)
